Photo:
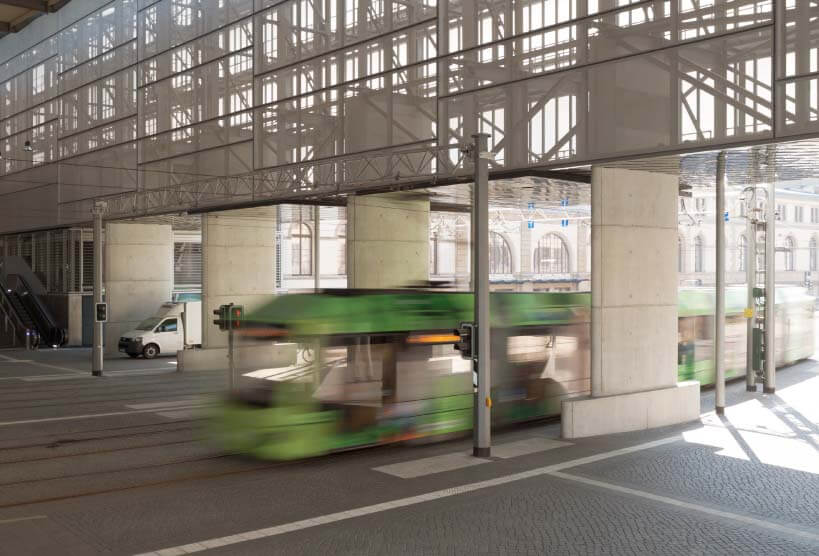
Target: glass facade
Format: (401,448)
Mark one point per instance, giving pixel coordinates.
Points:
(144,94)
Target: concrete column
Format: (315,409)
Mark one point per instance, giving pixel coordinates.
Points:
(74,319)
(138,275)
(387,240)
(238,264)
(634,309)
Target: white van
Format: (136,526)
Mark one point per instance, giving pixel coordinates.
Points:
(173,327)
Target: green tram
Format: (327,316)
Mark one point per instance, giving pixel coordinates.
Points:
(337,370)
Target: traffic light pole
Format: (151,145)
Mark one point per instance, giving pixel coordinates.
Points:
(769,386)
(480,280)
(719,336)
(316,248)
(97,351)
(231,363)
(750,279)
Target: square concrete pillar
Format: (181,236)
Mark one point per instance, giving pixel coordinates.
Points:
(138,275)
(387,240)
(634,309)
(238,264)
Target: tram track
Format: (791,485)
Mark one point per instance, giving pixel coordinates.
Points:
(102,437)
(139,397)
(102,451)
(148,484)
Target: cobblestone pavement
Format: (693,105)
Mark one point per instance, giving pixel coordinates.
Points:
(125,468)
(538,516)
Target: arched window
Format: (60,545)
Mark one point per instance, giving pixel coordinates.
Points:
(742,253)
(301,250)
(500,255)
(680,255)
(698,255)
(551,255)
(788,253)
(814,263)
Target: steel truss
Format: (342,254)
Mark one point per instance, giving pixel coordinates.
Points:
(312,180)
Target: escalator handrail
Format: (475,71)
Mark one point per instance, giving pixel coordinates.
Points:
(10,312)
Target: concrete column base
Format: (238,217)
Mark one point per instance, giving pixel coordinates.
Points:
(581,417)
(256,357)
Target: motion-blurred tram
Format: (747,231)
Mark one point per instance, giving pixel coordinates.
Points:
(336,370)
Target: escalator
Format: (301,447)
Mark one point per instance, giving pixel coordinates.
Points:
(13,328)
(30,312)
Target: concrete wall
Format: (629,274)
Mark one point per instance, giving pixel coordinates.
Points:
(74,319)
(138,275)
(387,240)
(238,264)
(634,308)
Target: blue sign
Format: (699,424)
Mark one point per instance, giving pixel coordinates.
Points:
(531,224)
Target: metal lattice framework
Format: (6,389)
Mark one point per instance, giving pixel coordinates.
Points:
(134,99)
(422,166)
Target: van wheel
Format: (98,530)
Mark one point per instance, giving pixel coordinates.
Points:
(150,351)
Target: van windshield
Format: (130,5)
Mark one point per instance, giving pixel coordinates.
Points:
(148,324)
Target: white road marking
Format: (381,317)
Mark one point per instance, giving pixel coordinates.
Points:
(18,519)
(49,366)
(22,377)
(400,503)
(182,413)
(430,466)
(82,374)
(458,460)
(10,359)
(46,378)
(157,370)
(88,416)
(16,361)
(526,446)
(687,505)
(173,404)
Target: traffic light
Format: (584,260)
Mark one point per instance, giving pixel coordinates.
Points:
(466,341)
(236,314)
(229,316)
(222,320)
(101,312)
